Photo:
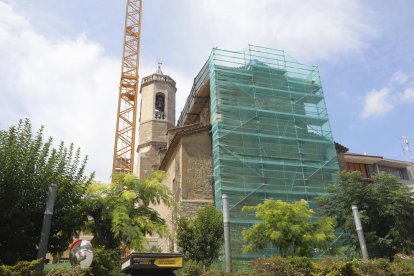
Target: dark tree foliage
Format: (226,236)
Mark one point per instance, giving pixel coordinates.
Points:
(386,208)
(28,165)
(201,239)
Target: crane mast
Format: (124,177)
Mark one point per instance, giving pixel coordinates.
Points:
(124,148)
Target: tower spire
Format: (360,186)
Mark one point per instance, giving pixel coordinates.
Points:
(156,117)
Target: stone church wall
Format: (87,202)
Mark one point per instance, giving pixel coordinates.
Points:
(189,207)
(197,167)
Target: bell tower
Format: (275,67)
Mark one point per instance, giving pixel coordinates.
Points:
(157,115)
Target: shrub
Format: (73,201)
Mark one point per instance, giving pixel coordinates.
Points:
(74,271)
(23,268)
(271,265)
(219,273)
(333,267)
(283,266)
(378,267)
(191,268)
(382,267)
(302,266)
(402,269)
(106,262)
(356,267)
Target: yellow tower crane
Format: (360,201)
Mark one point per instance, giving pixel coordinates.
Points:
(124,149)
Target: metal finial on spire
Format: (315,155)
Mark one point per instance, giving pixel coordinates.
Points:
(159,71)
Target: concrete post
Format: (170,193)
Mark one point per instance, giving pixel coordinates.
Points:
(47,221)
(360,232)
(226,222)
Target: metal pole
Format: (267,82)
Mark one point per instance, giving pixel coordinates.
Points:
(47,221)
(226,222)
(360,232)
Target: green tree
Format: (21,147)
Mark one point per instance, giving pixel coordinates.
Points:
(386,208)
(201,238)
(99,207)
(288,227)
(106,262)
(123,211)
(28,165)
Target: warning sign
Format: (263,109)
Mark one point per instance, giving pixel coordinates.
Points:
(152,263)
(169,262)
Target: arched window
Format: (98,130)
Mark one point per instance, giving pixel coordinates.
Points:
(160,102)
(159,106)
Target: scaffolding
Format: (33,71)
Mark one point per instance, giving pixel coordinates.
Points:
(271,136)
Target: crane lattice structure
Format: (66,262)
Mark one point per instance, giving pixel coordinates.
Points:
(128,91)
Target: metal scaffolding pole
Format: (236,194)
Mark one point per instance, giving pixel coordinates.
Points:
(226,222)
(360,232)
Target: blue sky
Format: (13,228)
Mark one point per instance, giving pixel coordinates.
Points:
(60,61)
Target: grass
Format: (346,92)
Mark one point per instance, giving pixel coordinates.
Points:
(49,267)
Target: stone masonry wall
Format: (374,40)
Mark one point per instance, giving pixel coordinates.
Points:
(197,167)
(189,207)
(153,131)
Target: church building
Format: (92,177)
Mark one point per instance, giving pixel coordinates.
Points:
(254,126)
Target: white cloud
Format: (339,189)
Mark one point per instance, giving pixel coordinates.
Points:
(408,95)
(377,103)
(69,85)
(308,30)
(399,77)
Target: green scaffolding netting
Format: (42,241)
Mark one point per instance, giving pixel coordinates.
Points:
(271,136)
